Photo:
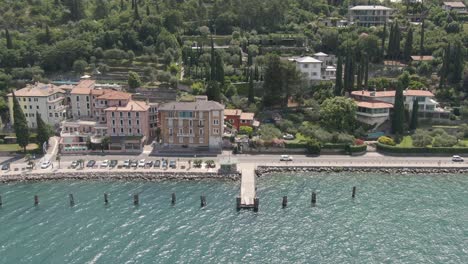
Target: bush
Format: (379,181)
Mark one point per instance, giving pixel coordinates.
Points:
(341,146)
(444,140)
(313,147)
(357,148)
(358,142)
(295,145)
(421,138)
(245,130)
(386,141)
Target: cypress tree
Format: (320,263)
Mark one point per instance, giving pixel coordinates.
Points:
(122,5)
(251,88)
(408,45)
(384,35)
(456,64)
(214,91)
(240,57)
(148,12)
(256,73)
(445,67)
(398,111)
(42,130)
(272,86)
(414,116)
(48,37)
(421,43)
(339,77)
(9,42)
(391,40)
(397,41)
(136,15)
(366,72)
(219,73)
(20,124)
(213,61)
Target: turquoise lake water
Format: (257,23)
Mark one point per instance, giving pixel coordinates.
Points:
(393,219)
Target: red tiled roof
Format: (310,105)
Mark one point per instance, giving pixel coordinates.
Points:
(84,87)
(418,93)
(136,106)
(376,94)
(374,105)
(37,90)
(422,58)
(115,95)
(247,116)
(232,112)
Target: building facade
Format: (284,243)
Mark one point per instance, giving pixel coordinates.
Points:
(369,15)
(47,100)
(458,7)
(320,67)
(238,118)
(196,124)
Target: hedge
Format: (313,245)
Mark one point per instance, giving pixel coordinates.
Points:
(342,146)
(357,148)
(295,145)
(423,150)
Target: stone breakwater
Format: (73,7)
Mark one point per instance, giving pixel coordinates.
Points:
(264,170)
(119,176)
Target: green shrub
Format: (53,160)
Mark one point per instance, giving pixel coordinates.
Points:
(245,130)
(357,148)
(421,138)
(386,141)
(313,147)
(342,146)
(444,140)
(295,145)
(426,150)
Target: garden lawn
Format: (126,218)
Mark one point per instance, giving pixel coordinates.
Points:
(16,147)
(407,142)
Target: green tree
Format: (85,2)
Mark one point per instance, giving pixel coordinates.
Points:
(43,130)
(213,91)
(338,114)
(9,42)
(20,125)
(269,132)
(398,117)
(272,86)
(134,80)
(339,77)
(245,130)
(219,68)
(408,45)
(313,147)
(421,41)
(414,116)
(101,9)
(382,45)
(421,138)
(251,96)
(79,66)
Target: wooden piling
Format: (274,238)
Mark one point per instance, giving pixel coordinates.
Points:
(1,203)
(106,199)
(72,200)
(36,200)
(238,203)
(202,201)
(173,200)
(136,199)
(314,198)
(256,203)
(354,192)
(285,201)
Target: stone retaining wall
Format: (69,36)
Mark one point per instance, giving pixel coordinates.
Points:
(123,176)
(264,170)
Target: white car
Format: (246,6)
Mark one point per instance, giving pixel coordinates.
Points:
(45,164)
(286,158)
(105,164)
(141,163)
(457,158)
(126,163)
(288,137)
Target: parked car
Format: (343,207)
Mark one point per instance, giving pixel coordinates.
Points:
(149,164)
(141,163)
(91,163)
(74,164)
(286,158)
(457,158)
(134,163)
(126,164)
(157,163)
(6,166)
(113,163)
(172,164)
(104,164)
(288,136)
(45,164)
(164,164)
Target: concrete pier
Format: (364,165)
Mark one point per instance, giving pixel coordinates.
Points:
(248,189)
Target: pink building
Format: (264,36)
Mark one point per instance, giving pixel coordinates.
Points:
(128,126)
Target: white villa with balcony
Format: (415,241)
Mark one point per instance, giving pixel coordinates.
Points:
(369,15)
(319,67)
(374,107)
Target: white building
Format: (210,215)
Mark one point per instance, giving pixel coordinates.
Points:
(320,67)
(374,107)
(47,100)
(369,15)
(455,6)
